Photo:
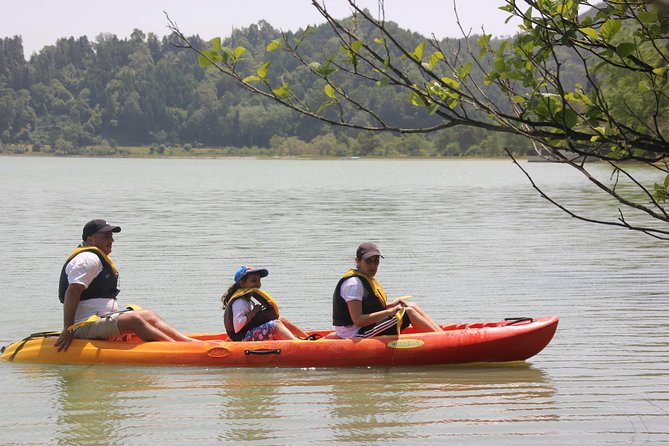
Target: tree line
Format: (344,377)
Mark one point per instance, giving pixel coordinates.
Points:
(82,97)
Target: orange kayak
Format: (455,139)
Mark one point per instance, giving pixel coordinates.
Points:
(514,339)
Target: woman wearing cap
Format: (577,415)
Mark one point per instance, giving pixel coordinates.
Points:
(246,321)
(359,305)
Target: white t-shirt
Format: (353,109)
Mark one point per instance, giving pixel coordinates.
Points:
(240,308)
(82,269)
(351,289)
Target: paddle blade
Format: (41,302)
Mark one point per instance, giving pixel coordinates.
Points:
(92,318)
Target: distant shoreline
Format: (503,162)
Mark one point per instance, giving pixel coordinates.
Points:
(260,157)
(210,153)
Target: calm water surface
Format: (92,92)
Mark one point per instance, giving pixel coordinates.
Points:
(470,240)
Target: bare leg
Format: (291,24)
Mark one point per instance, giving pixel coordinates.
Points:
(149,326)
(294,329)
(281,331)
(420,319)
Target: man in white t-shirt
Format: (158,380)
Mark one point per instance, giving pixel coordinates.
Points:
(89,286)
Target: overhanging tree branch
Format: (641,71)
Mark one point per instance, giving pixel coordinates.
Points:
(607,106)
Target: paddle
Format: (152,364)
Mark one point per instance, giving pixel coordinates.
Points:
(400,314)
(90,320)
(94,317)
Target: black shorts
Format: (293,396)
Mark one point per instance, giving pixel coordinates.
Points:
(385,327)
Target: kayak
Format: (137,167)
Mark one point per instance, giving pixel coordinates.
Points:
(513,339)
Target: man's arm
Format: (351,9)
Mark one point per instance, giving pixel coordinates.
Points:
(70,304)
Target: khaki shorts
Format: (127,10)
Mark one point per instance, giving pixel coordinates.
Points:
(104,328)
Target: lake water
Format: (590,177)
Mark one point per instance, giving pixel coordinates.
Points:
(470,240)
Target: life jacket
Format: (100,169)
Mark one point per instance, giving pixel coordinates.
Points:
(105,284)
(269,312)
(373,299)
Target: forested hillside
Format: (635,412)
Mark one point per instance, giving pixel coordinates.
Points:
(83,97)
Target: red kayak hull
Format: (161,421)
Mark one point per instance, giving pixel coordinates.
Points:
(509,340)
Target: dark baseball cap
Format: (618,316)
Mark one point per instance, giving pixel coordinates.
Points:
(367,250)
(98,225)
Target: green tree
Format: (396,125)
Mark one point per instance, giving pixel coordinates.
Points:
(456,85)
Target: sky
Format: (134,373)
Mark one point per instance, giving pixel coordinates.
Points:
(42,22)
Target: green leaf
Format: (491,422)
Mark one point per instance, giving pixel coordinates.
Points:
(417,55)
(324,70)
(507,8)
(355,46)
(590,32)
(250,79)
(436,57)
(323,106)
(450,82)
(647,17)
(594,113)
(464,71)
(209,57)
(527,19)
(204,61)
(570,118)
(500,64)
(490,77)
(502,47)
(660,71)
(216,43)
(484,40)
(625,49)
(264,68)
(283,91)
(350,54)
(329,91)
(610,28)
(239,52)
(417,100)
(274,45)
(432,108)
(666,181)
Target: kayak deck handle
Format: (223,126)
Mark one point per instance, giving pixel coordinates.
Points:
(263,352)
(517,320)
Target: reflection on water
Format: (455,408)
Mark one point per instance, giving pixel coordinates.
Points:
(443,401)
(94,401)
(247,399)
(134,405)
(470,240)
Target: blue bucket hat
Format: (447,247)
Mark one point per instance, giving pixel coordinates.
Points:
(244,270)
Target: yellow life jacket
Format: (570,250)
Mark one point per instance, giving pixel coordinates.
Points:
(270,312)
(266,296)
(80,249)
(104,285)
(376,286)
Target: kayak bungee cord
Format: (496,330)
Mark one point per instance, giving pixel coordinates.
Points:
(41,334)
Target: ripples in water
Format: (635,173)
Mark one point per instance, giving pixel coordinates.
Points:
(471,241)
